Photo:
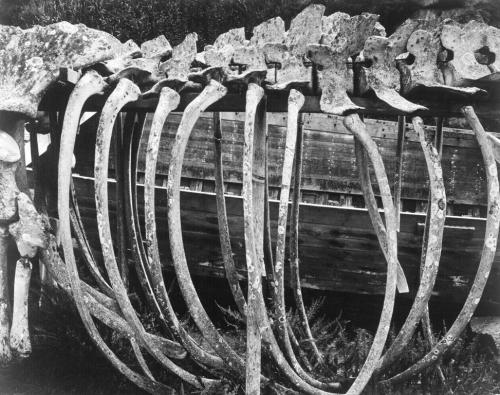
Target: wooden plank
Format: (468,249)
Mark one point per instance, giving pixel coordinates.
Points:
(56,97)
(328,165)
(338,248)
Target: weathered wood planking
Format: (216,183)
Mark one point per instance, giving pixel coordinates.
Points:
(329,164)
(338,248)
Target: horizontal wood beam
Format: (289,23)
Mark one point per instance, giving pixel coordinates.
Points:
(57,97)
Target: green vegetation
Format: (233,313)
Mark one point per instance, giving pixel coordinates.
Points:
(66,362)
(143,20)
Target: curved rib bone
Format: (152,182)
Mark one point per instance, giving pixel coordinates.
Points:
(83,244)
(254,274)
(169,100)
(126,91)
(101,306)
(487,256)
(225,241)
(343,38)
(177,69)
(210,94)
(432,250)
(357,127)
(253,357)
(91,83)
(294,249)
(295,103)
(304,27)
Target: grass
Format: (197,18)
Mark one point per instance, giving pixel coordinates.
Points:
(65,361)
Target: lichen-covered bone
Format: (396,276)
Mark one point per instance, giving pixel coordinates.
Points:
(9,159)
(270,31)
(254,95)
(127,51)
(221,52)
(218,56)
(343,32)
(5,352)
(156,48)
(342,38)
(20,342)
(144,70)
(383,76)
(31,58)
(305,29)
(465,41)
(125,92)
(10,156)
(177,67)
(425,46)
(30,232)
(486,260)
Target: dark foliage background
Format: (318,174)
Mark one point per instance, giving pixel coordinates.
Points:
(141,20)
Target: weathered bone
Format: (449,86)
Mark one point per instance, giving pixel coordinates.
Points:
(354,124)
(294,251)
(495,145)
(343,41)
(269,40)
(91,83)
(372,207)
(101,306)
(464,41)
(225,240)
(253,262)
(20,342)
(31,60)
(29,232)
(295,103)
(487,256)
(254,95)
(424,73)
(305,29)
(306,26)
(9,159)
(213,92)
(83,243)
(127,51)
(177,67)
(169,100)
(426,320)
(270,31)
(342,38)
(157,48)
(294,45)
(146,70)
(126,91)
(398,175)
(382,76)
(432,249)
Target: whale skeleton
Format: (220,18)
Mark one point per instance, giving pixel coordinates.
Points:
(338,57)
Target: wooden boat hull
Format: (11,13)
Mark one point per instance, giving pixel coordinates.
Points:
(338,248)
